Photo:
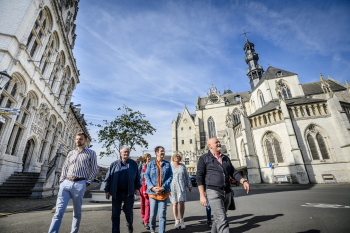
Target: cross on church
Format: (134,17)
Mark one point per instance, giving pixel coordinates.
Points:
(245,33)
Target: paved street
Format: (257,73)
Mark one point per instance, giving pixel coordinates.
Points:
(319,208)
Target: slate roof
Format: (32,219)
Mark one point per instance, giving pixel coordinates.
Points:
(290,102)
(230,97)
(315,87)
(271,73)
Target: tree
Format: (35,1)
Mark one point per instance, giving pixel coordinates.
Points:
(128,129)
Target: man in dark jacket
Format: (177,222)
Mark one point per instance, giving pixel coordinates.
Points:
(213,178)
(122,182)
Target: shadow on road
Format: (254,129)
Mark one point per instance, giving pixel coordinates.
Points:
(250,223)
(310,231)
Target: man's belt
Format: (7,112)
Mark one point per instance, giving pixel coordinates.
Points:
(75,179)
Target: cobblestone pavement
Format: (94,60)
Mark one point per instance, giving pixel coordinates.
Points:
(15,205)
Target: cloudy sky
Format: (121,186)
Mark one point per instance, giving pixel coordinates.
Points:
(157,56)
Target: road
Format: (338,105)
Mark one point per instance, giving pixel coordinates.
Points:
(319,208)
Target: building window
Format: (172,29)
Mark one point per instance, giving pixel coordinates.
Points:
(182,141)
(236,116)
(187,161)
(317,143)
(190,141)
(189,127)
(211,128)
(262,100)
(182,128)
(202,139)
(272,148)
(284,90)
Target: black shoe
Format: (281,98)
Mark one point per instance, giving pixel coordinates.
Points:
(147,226)
(209,224)
(131,229)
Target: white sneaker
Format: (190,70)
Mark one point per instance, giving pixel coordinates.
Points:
(177,224)
(182,224)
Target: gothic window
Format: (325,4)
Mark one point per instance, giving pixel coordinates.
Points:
(252,105)
(284,89)
(50,50)
(261,97)
(236,116)
(190,141)
(211,128)
(39,32)
(272,148)
(317,143)
(182,142)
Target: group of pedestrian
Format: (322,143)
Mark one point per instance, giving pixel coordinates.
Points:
(155,181)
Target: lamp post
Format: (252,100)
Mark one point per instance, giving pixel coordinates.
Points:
(4,79)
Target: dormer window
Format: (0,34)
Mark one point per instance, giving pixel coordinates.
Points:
(279,74)
(238,98)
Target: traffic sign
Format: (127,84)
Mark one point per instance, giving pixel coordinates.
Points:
(10,111)
(270,165)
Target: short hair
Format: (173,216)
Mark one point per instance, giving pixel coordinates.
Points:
(82,134)
(157,148)
(125,148)
(145,156)
(175,155)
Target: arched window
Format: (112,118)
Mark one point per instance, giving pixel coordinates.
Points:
(317,143)
(236,116)
(47,136)
(211,128)
(10,98)
(272,148)
(39,32)
(261,97)
(284,90)
(243,153)
(252,105)
(57,71)
(49,53)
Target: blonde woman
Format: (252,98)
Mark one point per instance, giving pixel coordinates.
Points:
(178,186)
(144,199)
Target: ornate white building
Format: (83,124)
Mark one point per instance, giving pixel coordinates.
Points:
(36,42)
(279,131)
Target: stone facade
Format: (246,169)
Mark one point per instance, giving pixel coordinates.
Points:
(36,42)
(280,131)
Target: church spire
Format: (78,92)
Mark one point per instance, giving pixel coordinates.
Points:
(255,70)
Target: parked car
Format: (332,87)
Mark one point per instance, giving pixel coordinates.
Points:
(234,182)
(193,180)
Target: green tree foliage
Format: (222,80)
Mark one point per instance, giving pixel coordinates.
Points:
(128,129)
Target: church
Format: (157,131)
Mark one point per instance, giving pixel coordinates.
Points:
(279,131)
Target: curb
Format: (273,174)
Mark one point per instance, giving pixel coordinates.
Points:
(23,211)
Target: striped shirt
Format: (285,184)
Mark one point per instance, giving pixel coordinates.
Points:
(81,164)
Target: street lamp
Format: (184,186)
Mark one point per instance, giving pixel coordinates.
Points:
(4,79)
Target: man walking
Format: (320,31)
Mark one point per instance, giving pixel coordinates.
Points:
(78,170)
(213,178)
(122,182)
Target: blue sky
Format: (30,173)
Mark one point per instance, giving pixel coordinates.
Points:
(157,56)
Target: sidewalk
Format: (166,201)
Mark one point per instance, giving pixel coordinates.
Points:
(16,205)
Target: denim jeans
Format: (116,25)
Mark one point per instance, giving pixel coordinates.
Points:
(128,209)
(160,206)
(68,190)
(219,202)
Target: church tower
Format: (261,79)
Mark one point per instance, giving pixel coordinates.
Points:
(255,71)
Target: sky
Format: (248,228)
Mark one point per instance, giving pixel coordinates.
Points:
(158,56)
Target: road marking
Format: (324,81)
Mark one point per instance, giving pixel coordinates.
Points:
(323,205)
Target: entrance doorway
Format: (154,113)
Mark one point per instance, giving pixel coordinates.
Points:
(27,155)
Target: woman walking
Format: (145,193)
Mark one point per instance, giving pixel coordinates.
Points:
(146,158)
(178,186)
(158,178)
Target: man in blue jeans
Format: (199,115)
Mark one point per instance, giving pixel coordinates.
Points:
(214,170)
(78,170)
(122,182)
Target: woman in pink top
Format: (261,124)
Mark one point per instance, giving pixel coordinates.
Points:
(145,211)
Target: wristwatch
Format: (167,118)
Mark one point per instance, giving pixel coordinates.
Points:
(245,181)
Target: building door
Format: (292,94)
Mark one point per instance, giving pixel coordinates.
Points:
(27,155)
